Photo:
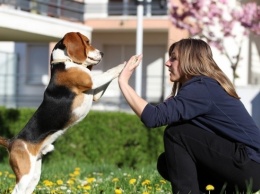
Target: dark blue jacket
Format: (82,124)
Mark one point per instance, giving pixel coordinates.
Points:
(205,103)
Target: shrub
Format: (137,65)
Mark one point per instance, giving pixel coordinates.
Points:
(101,138)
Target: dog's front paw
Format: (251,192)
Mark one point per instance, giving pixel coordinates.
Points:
(115,71)
(119,68)
(47,148)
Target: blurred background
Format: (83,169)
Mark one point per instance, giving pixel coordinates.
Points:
(121,28)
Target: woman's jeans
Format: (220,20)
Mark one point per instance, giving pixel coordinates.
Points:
(195,158)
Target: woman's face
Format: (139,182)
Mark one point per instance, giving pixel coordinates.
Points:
(173,67)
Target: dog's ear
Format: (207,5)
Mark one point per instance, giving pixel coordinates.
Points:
(76,44)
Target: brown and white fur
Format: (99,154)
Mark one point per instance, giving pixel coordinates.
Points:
(67,100)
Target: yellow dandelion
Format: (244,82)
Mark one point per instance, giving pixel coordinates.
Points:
(59,182)
(210,188)
(132,181)
(1,173)
(12,176)
(52,192)
(79,187)
(163,181)
(118,191)
(115,180)
(158,189)
(90,180)
(70,182)
(77,169)
(145,192)
(87,187)
(76,173)
(146,182)
(47,183)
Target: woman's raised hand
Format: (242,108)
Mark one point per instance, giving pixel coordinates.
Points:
(129,68)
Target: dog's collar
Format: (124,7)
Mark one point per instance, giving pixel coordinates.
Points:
(60,61)
(65,60)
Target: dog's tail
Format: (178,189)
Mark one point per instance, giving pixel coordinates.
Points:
(4,142)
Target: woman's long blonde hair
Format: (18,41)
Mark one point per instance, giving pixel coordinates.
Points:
(195,58)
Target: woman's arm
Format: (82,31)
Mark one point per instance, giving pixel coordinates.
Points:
(135,102)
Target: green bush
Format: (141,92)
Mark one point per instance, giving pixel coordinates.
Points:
(101,138)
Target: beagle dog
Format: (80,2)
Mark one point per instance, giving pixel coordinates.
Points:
(67,100)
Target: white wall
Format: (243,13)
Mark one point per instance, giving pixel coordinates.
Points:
(250,96)
(8,64)
(6,46)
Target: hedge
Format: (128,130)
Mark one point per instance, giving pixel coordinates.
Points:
(101,138)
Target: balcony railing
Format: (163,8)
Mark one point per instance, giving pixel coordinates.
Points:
(74,10)
(65,9)
(151,7)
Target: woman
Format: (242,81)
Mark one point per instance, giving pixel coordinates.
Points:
(210,137)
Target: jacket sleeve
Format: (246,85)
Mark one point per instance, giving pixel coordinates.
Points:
(191,101)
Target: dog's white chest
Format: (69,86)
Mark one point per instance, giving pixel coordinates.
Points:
(84,107)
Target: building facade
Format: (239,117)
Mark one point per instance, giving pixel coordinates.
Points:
(112,26)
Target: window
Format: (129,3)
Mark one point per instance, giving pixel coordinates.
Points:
(38,63)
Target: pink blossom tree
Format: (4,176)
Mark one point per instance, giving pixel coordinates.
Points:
(217,20)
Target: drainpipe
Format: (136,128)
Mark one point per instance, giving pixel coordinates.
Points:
(139,45)
(148,8)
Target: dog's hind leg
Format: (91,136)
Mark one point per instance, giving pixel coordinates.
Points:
(22,185)
(36,175)
(21,162)
(22,173)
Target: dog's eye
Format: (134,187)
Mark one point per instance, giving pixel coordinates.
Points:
(87,41)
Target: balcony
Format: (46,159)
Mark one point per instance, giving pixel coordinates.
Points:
(40,20)
(63,9)
(151,8)
(75,10)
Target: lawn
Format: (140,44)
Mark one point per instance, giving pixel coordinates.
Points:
(65,177)
(71,177)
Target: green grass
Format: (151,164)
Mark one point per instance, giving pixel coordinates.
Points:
(72,177)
